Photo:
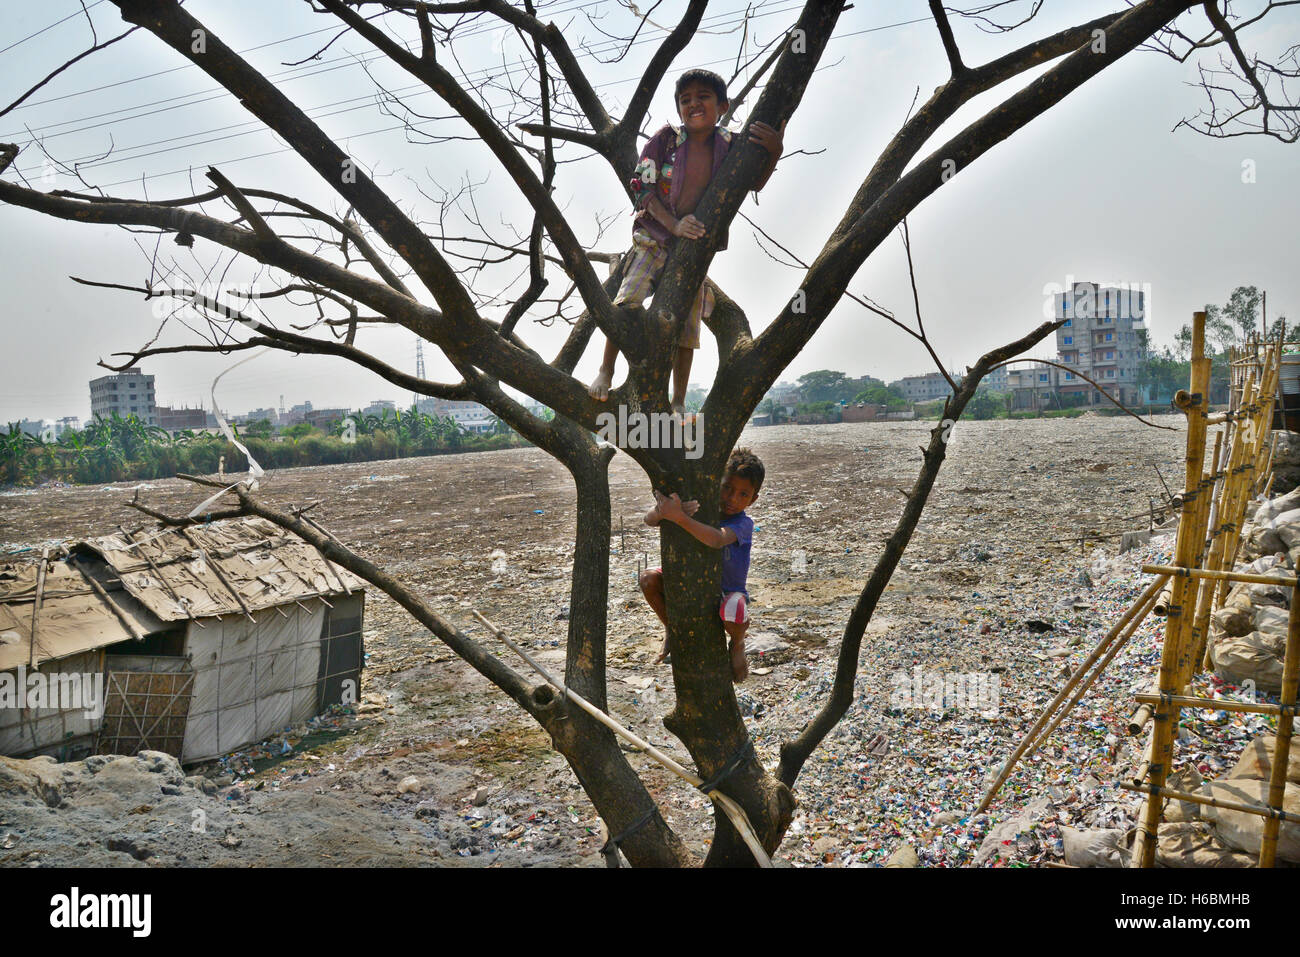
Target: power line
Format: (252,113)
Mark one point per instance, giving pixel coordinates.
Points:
(413,89)
(327,66)
(474,31)
(50,27)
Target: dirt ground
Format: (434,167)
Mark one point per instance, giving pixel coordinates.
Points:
(1020,506)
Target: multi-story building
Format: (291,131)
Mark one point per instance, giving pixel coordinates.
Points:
(130,392)
(924,388)
(1033,387)
(378,406)
(1101,337)
(179,420)
(325,419)
(468,415)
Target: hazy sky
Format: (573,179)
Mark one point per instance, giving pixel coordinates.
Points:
(1100,188)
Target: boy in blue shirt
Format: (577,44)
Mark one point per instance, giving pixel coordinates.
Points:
(741,480)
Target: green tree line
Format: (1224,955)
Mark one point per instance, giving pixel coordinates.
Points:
(116,449)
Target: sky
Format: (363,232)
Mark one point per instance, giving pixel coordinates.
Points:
(1100,188)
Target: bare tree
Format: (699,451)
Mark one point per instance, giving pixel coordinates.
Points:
(380,263)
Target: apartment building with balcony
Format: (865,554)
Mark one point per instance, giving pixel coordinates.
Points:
(1102,338)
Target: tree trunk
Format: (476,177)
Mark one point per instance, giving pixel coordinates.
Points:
(590,748)
(706,717)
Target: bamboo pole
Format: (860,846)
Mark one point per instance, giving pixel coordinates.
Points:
(1083,687)
(221,576)
(1133,615)
(1179,620)
(36,605)
(733,810)
(1268,468)
(1213,704)
(1232,538)
(1167,794)
(130,540)
(1282,746)
(1139,718)
(122,616)
(1235,498)
(1250,577)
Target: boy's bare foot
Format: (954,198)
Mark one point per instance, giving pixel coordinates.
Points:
(599,388)
(739,666)
(663,652)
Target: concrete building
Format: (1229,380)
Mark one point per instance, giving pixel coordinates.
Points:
(178,420)
(923,388)
(1033,387)
(378,406)
(470,416)
(325,419)
(130,392)
(1101,338)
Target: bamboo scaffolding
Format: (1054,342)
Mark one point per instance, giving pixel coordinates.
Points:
(1282,743)
(733,810)
(1215,575)
(1188,544)
(1132,617)
(1165,793)
(1214,704)
(1247,467)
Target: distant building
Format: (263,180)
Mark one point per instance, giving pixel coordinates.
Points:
(786,395)
(270,415)
(470,416)
(179,420)
(325,419)
(130,392)
(1101,339)
(296,415)
(924,388)
(378,406)
(1033,387)
(996,381)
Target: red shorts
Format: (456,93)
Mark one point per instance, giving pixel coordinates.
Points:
(734,606)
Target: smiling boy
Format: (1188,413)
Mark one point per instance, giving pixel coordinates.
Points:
(675,169)
(741,480)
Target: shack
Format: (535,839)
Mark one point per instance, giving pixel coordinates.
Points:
(194,641)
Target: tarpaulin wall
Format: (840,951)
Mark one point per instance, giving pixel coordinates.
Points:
(252,678)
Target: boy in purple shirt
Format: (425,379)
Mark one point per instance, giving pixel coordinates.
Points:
(676,168)
(741,481)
